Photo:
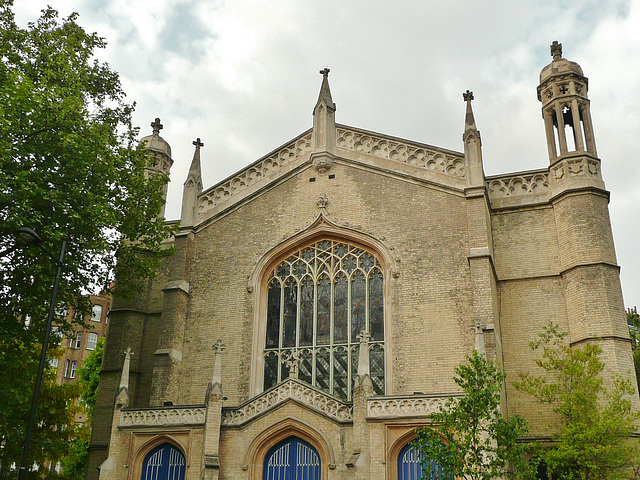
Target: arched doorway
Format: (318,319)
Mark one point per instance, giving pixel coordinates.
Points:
(410,465)
(164,462)
(292,459)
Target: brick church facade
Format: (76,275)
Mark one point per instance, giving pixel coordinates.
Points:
(319,300)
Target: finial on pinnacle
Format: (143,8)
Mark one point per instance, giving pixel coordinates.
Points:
(198,143)
(468,96)
(363,336)
(157,126)
(556,50)
(219,347)
(325,72)
(293,362)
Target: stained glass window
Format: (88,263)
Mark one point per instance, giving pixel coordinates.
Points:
(318,301)
(412,465)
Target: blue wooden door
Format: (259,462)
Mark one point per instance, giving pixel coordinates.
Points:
(410,465)
(292,459)
(165,462)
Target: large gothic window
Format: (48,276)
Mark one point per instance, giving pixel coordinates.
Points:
(318,301)
(292,459)
(165,462)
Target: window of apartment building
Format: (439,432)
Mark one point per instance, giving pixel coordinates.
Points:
(75,343)
(56,334)
(72,369)
(92,339)
(67,366)
(61,311)
(96,313)
(54,362)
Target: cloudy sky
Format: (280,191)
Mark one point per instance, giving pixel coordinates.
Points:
(243,76)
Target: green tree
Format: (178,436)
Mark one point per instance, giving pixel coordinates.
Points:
(471,439)
(70,168)
(74,463)
(633,321)
(592,441)
(56,409)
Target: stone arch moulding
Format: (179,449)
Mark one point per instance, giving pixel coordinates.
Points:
(289,427)
(321,227)
(146,446)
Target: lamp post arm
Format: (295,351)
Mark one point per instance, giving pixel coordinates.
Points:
(43,359)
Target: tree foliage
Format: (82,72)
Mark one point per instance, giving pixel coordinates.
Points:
(471,439)
(633,321)
(56,410)
(70,168)
(74,463)
(592,441)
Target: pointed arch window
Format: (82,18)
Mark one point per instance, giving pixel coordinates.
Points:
(318,301)
(411,464)
(165,462)
(292,459)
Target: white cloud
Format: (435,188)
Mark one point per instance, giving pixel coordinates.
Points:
(242,75)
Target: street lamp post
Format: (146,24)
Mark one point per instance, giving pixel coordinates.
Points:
(31,236)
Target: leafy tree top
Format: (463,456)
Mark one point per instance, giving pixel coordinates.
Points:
(592,439)
(470,438)
(71,168)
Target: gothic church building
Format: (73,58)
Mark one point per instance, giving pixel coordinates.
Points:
(318,301)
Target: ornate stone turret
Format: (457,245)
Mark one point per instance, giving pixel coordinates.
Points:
(565,107)
(192,188)
(324,127)
(160,159)
(587,259)
(472,145)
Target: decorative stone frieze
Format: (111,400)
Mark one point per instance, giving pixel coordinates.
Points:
(406,406)
(524,184)
(418,155)
(290,389)
(579,167)
(164,416)
(256,173)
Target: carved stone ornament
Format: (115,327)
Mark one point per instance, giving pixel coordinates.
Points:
(418,155)
(558,172)
(322,162)
(323,201)
(524,184)
(556,50)
(163,416)
(396,407)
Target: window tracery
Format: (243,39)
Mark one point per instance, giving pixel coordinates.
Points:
(318,300)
